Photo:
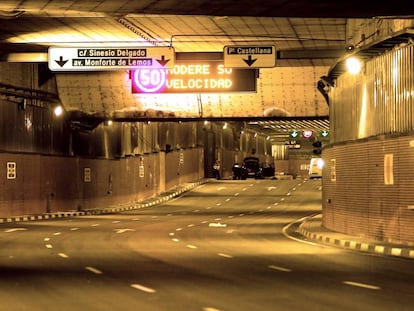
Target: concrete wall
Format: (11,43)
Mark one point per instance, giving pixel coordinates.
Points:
(41,184)
(373,195)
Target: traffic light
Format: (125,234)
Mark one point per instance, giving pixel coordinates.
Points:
(318,147)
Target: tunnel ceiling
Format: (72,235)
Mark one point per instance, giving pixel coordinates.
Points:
(309,37)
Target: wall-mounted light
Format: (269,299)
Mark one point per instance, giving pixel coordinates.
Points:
(58,111)
(353,65)
(225,126)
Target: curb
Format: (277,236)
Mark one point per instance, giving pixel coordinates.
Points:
(108,210)
(368,247)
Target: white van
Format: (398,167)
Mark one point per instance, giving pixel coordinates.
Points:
(315,168)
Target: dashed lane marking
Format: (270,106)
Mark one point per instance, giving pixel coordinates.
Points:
(63,255)
(15,230)
(191,246)
(143,288)
(279,268)
(74,229)
(362,285)
(175,240)
(123,230)
(57,233)
(225,255)
(93,270)
(49,246)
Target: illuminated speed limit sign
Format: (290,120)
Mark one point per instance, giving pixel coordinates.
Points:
(150,80)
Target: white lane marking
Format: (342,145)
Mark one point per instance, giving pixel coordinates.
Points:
(190,225)
(46,239)
(175,240)
(171,234)
(49,246)
(228,199)
(123,230)
(218,204)
(95,225)
(191,246)
(279,268)
(210,309)
(217,219)
(221,188)
(244,189)
(276,203)
(241,214)
(74,229)
(196,210)
(286,228)
(236,194)
(178,229)
(269,207)
(116,222)
(362,285)
(93,270)
(204,221)
(143,288)
(63,255)
(57,233)
(225,255)
(135,219)
(15,229)
(288,194)
(271,188)
(217,225)
(208,207)
(282,199)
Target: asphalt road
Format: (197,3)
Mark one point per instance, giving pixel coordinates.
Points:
(223,246)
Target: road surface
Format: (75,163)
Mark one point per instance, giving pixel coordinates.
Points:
(223,246)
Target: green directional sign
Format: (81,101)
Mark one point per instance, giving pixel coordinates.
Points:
(294,134)
(324,133)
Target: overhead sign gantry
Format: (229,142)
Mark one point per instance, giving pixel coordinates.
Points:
(109,58)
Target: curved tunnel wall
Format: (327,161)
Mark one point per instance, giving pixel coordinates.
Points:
(48,165)
(368,188)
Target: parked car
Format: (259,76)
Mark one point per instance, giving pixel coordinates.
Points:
(251,168)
